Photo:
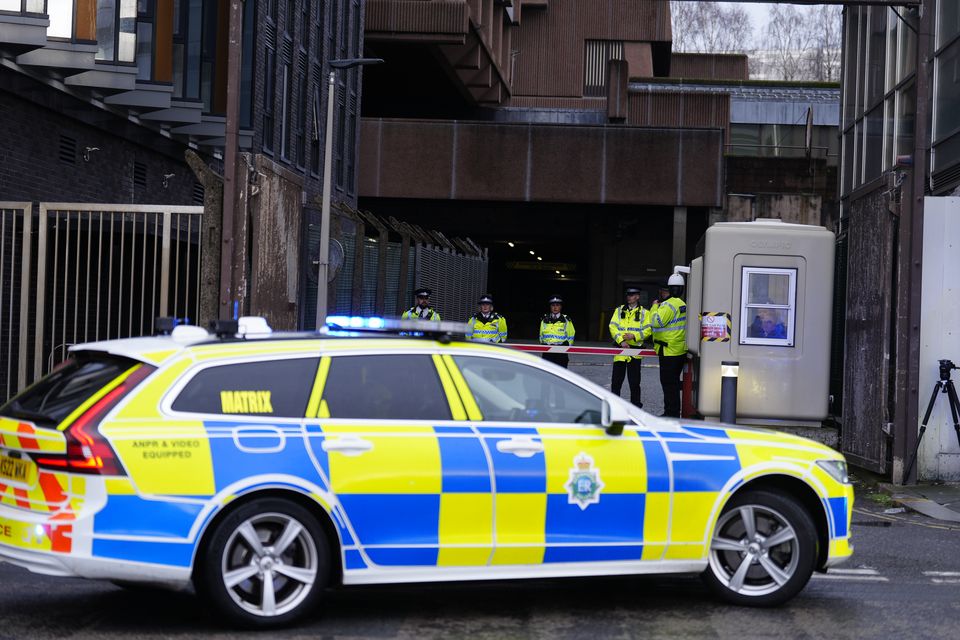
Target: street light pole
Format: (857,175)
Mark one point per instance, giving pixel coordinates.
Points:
(323,259)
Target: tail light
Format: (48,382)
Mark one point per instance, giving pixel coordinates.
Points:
(87,450)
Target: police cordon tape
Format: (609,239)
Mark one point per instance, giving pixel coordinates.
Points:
(593,351)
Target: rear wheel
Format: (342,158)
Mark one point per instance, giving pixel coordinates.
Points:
(265,564)
(763,549)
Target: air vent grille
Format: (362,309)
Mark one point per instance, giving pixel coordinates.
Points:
(139,174)
(68,149)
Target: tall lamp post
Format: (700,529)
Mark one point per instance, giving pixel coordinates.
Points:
(324,258)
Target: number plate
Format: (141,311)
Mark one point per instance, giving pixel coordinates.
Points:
(18,470)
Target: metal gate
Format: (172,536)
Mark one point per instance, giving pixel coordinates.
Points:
(90,272)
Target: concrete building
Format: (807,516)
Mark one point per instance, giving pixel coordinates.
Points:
(567,137)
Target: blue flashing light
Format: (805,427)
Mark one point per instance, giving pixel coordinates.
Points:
(343,324)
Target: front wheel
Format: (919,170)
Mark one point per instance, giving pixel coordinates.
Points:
(763,550)
(265,564)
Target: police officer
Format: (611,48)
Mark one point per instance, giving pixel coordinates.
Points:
(629,327)
(556,329)
(422,310)
(669,325)
(486,325)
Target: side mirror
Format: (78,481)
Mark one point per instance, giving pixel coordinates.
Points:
(613,418)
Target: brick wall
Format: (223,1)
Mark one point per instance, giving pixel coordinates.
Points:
(32,169)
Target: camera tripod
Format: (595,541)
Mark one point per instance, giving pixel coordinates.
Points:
(943,385)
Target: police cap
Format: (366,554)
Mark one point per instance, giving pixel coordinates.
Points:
(632,290)
(423,291)
(486,298)
(555,299)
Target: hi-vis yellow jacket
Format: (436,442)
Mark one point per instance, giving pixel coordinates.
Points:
(556,331)
(627,320)
(493,328)
(669,325)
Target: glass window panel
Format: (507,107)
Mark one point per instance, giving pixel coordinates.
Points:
(946,154)
(850,68)
(269,388)
(947,92)
(35,6)
(768,306)
(61,18)
(858,154)
(195,21)
(907,63)
(128,31)
(144,51)
(178,69)
(847,151)
(948,21)
(373,388)
(906,112)
(877,54)
(60,392)
(10,5)
(745,139)
(246,67)
(508,391)
(873,153)
(106,29)
(861,59)
(889,125)
(768,288)
(893,24)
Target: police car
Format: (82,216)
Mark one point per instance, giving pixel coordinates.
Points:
(263,467)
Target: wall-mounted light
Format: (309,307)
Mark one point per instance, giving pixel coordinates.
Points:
(539,259)
(556,272)
(166,179)
(533,253)
(510,244)
(87,151)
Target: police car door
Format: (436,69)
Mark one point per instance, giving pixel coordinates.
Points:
(411,479)
(564,490)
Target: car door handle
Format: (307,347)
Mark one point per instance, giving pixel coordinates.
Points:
(347,445)
(520,447)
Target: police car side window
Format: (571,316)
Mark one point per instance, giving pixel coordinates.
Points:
(385,387)
(513,392)
(279,388)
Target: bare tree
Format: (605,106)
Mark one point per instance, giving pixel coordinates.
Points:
(801,44)
(710,27)
(787,43)
(826,23)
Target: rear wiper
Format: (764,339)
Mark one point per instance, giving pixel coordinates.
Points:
(14,410)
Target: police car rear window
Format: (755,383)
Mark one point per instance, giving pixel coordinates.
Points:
(60,392)
(385,387)
(278,388)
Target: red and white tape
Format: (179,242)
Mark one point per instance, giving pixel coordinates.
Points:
(593,351)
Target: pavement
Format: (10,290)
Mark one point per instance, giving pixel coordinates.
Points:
(940,501)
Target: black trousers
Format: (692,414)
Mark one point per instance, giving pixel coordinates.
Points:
(561,359)
(630,369)
(670,369)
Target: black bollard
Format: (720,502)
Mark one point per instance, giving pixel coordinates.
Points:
(729,370)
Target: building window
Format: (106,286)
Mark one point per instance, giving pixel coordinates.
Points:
(285,82)
(187,25)
(768,301)
(61,17)
(145,39)
(315,133)
(269,96)
(116,30)
(596,56)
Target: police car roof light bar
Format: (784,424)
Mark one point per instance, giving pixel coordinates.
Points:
(407,328)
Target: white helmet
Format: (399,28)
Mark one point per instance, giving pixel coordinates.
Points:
(676,280)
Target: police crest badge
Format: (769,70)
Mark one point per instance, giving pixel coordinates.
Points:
(584,485)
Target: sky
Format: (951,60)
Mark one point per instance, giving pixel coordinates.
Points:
(758,14)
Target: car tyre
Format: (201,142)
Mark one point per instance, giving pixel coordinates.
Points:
(763,549)
(265,564)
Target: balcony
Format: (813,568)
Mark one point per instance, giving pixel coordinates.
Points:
(23,26)
(470,39)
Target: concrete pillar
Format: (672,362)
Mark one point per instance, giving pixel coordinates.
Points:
(679,235)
